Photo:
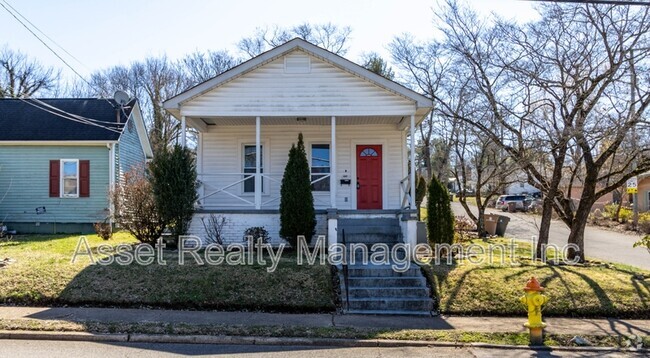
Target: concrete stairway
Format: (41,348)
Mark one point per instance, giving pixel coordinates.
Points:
(378,288)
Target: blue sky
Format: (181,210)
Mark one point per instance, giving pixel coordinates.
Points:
(105,33)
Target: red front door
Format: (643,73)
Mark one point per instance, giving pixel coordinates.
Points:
(369,177)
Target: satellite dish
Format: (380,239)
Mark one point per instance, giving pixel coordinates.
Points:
(121,97)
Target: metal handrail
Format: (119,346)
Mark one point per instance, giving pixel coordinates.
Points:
(346,278)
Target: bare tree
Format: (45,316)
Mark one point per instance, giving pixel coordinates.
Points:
(328,36)
(422,68)
(23,77)
(480,163)
(563,90)
(202,66)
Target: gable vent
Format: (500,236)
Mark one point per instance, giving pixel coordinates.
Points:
(298,63)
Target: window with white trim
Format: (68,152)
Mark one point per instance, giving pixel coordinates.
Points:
(249,167)
(70,178)
(320,167)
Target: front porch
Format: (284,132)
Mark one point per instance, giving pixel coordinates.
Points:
(355,125)
(358,165)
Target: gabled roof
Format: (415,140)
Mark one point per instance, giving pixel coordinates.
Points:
(173,104)
(34,120)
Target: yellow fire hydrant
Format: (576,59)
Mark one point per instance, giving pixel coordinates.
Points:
(533,299)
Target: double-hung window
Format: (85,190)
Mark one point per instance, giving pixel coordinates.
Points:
(70,178)
(320,167)
(249,167)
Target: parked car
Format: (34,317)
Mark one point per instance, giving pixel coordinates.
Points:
(504,200)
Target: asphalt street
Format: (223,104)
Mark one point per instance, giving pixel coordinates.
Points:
(599,243)
(29,349)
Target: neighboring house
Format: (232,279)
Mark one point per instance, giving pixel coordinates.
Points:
(355,125)
(643,186)
(522,188)
(57,160)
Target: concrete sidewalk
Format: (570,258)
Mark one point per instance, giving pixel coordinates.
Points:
(473,324)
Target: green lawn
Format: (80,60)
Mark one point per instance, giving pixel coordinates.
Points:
(42,274)
(592,290)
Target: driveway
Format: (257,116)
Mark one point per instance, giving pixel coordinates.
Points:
(599,244)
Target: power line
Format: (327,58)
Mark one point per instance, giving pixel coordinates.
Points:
(65,115)
(59,112)
(82,118)
(44,34)
(45,44)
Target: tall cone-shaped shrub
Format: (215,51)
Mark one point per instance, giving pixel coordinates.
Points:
(297,215)
(440,218)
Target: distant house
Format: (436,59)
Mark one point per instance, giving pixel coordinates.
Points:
(58,160)
(644,191)
(522,188)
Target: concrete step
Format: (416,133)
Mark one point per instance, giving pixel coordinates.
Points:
(389,292)
(343,222)
(360,254)
(381,271)
(390,312)
(368,228)
(371,238)
(405,281)
(391,304)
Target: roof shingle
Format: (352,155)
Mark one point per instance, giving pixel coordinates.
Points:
(29,120)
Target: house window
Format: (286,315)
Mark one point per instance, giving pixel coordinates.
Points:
(70,178)
(320,167)
(369,152)
(249,167)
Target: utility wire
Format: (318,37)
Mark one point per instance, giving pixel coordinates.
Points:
(45,44)
(44,34)
(28,101)
(81,118)
(59,112)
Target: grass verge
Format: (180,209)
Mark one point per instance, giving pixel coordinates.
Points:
(493,287)
(307,332)
(41,273)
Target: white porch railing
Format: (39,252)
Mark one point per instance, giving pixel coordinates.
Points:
(405,192)
(213,184)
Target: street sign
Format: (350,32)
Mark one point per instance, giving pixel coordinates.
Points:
(632,185)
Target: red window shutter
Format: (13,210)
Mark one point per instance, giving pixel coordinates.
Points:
(55,180)
(84,178)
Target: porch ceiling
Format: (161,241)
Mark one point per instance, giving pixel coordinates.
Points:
(318,121)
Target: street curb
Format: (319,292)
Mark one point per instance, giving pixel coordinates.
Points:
(64,336)
(282,341)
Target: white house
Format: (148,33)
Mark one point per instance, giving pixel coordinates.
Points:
(355,125)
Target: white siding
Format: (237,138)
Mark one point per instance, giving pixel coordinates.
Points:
(325,90)
(237,223)
(222,150)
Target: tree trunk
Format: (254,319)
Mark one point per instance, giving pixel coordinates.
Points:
(620,205)
(480,222)
(577,235)
(544,226)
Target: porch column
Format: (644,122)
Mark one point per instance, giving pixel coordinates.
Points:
(258,164)
(183,130)
(332,215)
(412,175)
(333,165)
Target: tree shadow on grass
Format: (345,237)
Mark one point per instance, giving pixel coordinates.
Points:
(290,288)
(602,296)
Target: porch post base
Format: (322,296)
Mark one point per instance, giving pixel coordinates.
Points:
(408,222)
(332,227)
